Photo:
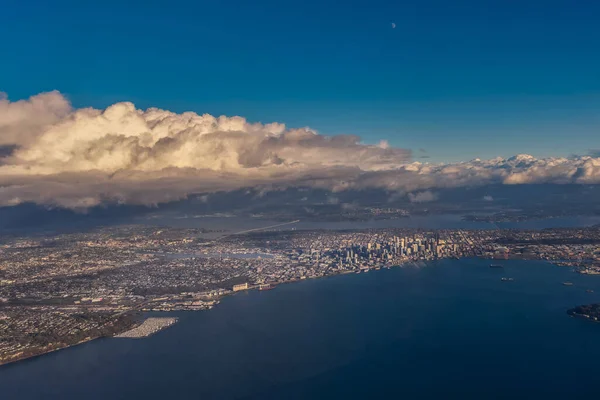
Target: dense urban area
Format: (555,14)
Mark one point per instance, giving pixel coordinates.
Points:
(62,289)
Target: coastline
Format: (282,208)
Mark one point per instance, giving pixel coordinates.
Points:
(139,323)
(583,316)
(49,351)
(44,352)
(300,322)
(254,287)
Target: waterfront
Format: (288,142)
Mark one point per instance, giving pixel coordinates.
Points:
(450,329)
(75,285)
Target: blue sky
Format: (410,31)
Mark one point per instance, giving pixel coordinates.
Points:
(460,79)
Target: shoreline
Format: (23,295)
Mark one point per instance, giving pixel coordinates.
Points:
(115,335)
(583,316)
(50,351)
(231,293)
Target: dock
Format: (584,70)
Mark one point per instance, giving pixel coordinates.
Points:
(149,327)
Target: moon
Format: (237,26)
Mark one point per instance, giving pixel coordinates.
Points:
(393,25)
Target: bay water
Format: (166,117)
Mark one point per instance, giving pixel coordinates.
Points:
(449,330)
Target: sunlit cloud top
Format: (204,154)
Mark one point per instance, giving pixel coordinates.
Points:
(78,158)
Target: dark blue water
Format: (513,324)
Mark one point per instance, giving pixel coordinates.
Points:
(452,330)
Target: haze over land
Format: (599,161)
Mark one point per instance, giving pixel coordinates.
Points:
(55,155)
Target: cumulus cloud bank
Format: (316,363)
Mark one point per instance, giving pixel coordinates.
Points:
(422,197)
(78,158)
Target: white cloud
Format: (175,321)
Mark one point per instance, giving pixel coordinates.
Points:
(123,138)
(78,158)
(422,197)
(22,121)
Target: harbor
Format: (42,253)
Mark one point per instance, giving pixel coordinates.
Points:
(149,327)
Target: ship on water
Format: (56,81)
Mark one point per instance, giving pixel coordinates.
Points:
(266,287)
(568,283)
(507,279)
(496,266)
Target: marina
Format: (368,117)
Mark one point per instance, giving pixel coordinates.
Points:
(149,327)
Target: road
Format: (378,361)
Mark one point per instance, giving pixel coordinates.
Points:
(265,227)
(254,230)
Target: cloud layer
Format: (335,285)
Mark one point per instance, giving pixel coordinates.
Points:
(422,197)
(78,158)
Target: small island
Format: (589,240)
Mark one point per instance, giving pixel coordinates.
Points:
(590,311)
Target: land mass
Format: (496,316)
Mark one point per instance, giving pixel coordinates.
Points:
(81,327)
(58,290)
(589,311)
